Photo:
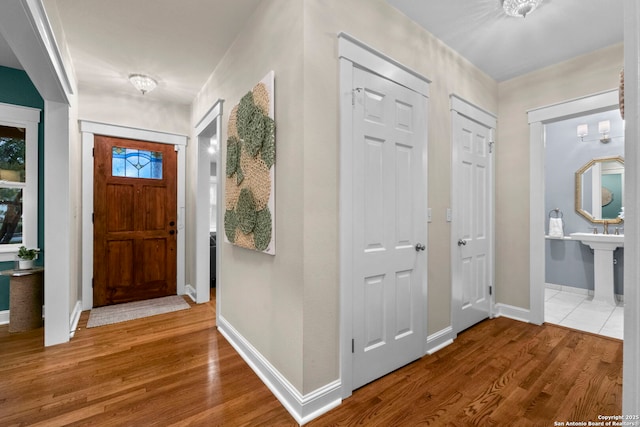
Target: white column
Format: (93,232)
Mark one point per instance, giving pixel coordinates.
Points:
(603,274)
(57,224)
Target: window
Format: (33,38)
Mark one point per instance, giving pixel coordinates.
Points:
(18,179)
(134,163)
(12,183)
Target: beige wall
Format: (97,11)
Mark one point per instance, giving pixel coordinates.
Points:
(133,110)
(261,295)
(287,306)
(382,27)
(584,75)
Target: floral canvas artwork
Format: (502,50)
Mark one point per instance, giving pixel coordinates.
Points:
(249,219)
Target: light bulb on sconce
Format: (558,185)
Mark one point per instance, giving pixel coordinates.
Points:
(604,128)
(583,130)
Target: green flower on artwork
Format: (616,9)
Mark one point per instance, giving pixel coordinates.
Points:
(230,224)
(269,143)
(262,230)
(246,211)
(233,155)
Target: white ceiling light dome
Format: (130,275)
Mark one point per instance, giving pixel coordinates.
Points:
(142,82)
(520,8)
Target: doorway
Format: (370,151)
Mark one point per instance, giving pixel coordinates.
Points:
(134,220)
(389,231)
(366,76)
(538,118)
(472,229)
(584,188)
(208,211)
(90,131)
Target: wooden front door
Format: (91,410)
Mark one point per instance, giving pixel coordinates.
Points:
(135,218)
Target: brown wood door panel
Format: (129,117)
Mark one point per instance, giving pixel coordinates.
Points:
(119,216)
(134,226)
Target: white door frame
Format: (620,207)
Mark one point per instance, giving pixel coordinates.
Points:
(351,53)
(459,106)
(208,127)
(89,130)
(631,370)
(538,118)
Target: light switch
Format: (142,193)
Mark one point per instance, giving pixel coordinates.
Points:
(449,215)
(429,215)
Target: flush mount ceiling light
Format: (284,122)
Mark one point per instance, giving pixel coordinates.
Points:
(520,8)
(143,83)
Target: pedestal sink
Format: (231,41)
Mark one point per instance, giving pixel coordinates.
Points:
(603,246)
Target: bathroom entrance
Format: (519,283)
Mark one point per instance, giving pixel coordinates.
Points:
(584,193)
(577,188)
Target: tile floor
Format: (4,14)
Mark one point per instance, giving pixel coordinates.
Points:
(578,311)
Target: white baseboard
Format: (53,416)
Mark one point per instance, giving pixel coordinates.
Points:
(512,312)
(303,408)
(75,318)
(191,292)
(4,317)
(567,288)
(579,291)
(440,340)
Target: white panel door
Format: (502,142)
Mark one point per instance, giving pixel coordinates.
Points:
(472,270)
(389,296)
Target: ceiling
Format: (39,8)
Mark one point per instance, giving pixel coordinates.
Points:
(179,43)
(505,47)
(7,58)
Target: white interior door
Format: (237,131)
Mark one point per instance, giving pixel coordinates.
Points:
(389,296)
(472,260)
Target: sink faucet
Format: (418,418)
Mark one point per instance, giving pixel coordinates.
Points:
(606,227)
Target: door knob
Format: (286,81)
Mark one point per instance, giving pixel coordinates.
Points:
(420,247)
(462,242)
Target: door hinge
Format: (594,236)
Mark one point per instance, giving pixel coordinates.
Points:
(93,152)
(353,345)
(490,290)
(353,95)
(491,146)
(92,280)
(93,217)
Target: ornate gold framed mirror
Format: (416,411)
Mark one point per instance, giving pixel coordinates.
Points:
(599,193)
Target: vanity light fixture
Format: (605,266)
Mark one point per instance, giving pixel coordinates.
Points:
(583,130)
(520,8)
(142,82)
(604,128)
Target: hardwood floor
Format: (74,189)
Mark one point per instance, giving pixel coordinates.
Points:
(176,369)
